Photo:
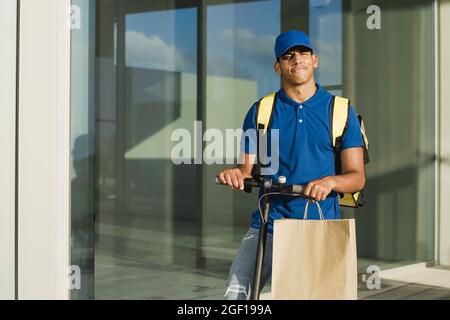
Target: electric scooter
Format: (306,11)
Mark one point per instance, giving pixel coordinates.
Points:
(269,188)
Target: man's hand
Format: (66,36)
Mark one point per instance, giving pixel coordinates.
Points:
(352,178)
(321,188)
(233,177)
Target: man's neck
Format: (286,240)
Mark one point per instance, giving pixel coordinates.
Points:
(302,92)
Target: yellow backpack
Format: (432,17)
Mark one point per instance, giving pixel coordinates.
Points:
(338,128)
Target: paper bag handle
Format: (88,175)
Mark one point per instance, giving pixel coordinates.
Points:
(305,214)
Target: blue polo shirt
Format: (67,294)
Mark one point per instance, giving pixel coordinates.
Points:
(305,151)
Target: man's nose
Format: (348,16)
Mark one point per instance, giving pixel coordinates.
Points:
(297,56)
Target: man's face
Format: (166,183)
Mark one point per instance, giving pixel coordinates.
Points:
(296,66)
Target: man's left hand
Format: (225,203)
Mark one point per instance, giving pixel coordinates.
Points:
(321,188)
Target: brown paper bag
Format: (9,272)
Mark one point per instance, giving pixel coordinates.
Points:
(314,259)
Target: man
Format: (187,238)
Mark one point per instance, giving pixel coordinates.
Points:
(302,115)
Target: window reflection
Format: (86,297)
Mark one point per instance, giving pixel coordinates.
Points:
(325,29)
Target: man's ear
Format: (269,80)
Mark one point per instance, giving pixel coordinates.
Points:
(315,61)
(277,68)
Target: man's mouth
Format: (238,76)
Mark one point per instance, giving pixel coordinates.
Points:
(297,69)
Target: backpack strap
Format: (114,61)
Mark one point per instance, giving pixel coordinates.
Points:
(365,140)
(339,120)
(339,124)
(264,112)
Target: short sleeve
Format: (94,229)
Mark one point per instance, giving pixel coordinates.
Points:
(352,137)
(248,139)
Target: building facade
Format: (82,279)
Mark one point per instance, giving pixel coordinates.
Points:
(92,203)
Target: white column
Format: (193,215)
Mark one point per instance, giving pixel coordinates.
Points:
(44,150)
(444,134)
(8,23)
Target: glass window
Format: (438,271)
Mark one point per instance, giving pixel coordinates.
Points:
(240,58)
(83,149)
(144,227)
(325,31)
(389,75)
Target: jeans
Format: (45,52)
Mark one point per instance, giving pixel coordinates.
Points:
(240,278)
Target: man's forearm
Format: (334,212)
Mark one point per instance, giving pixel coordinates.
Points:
(348,182)
(245,170)
(246,164)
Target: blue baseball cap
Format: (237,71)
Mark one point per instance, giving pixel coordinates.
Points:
(290,39)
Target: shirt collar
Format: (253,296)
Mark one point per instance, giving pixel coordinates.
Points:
(318,98)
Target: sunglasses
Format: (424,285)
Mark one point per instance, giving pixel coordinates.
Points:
(291,54)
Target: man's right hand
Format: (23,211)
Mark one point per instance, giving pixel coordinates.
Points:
(233,177)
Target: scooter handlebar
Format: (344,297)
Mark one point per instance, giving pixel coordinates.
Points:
(289,189)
